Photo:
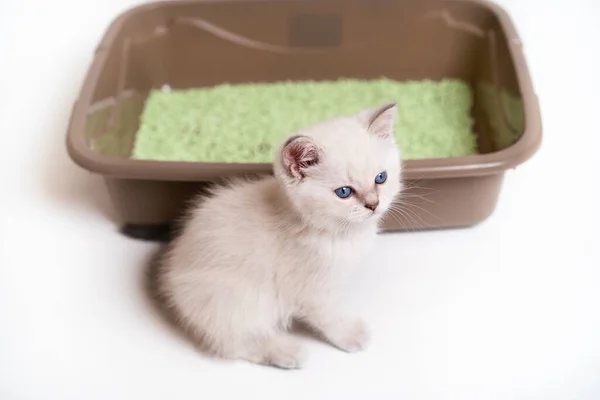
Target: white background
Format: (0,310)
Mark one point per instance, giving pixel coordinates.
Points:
(506,310)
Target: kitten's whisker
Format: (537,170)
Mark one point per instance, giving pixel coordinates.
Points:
(417,216)
(418,190)
(411,223)
(423,210)
(415,196)
(393,214)
(403,218)
(415,205)
(416,180)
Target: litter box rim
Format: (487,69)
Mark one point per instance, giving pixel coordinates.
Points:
(452,167)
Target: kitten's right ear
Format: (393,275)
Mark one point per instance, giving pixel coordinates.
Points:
(298,154)
(380,121)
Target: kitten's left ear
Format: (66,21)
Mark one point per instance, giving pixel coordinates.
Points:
(298,154)
(380,121)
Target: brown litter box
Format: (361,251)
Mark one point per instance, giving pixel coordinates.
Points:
(188,44)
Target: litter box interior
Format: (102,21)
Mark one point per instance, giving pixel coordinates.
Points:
(182,83)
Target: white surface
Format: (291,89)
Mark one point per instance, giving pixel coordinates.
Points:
(507,310)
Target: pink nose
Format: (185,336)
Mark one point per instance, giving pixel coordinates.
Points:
(372,206)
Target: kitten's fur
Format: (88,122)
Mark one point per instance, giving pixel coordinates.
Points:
(259,254)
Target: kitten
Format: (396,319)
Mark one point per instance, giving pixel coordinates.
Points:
(259,254)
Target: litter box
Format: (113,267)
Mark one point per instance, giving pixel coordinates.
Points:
(194,44)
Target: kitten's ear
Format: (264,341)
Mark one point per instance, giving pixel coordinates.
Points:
(380,121)
(298,154)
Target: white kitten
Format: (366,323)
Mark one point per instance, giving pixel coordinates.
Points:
(259,254)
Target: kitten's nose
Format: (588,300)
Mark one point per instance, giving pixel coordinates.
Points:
(372,206)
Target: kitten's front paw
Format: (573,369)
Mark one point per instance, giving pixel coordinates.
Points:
(287,354)
(350,336)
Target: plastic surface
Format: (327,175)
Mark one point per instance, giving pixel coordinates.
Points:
(190,44)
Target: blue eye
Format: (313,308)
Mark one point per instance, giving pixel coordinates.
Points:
(381,178)
(343,192)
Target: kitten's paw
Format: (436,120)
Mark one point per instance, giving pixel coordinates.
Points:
(350,336)
(286,353)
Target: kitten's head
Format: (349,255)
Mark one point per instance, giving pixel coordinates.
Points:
(343,172)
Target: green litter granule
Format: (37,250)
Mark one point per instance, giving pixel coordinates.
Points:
(245,123)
